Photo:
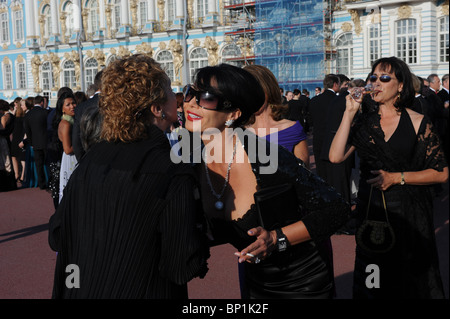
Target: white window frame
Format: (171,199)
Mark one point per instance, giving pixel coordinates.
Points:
(143,13)
(21,75)
(47,12)
(69,76)
(232,51)
(344,54)
(374,42)
(47,76)
(198,58)
(116,14)
(91,70)
(7,76)
(4,26)
(406,40)
(201,8)
(443,39)
(165,59)
(93,18)
(18,25)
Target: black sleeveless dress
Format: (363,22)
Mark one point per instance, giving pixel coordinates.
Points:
(303,270)
(411,268)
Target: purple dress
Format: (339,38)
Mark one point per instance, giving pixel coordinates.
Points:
(289,137)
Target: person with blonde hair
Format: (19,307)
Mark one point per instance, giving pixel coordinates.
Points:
(128,215)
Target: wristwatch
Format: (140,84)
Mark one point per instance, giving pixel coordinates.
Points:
(402,182)
(282,241)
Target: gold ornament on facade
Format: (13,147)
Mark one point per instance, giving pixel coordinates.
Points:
(346,27)
(444,8)
(56,68)
(404,12)
(63,18)
(196,43)
(42,28)
(356,20)
(35,64)
(161,6)
(108,11)
(212,47)
(177,52)
(100,57)
(246,46)
(145,48)
(134,16)
(190,10)
(123,52)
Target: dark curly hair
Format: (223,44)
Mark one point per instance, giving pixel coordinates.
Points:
(129,87)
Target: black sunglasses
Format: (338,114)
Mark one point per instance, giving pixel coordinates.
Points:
(205,99)
(383,78)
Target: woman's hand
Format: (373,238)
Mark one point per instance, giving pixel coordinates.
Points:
(261,248)
(384,179)
(353,103)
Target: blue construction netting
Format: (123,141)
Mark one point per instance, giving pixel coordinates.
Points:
(289,40)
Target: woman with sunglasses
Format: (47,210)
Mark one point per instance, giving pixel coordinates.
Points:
(400,157)
(282,262)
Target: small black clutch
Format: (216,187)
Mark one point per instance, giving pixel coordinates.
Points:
(277,206)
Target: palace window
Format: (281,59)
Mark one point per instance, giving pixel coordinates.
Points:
(47,76)
(18,25)
(406,40)
(69,74)
(198,59)
(91,69)
(21,76)
(374,42)
(165,58)
(443,39)
(7,76)
(344,45)
(4,24)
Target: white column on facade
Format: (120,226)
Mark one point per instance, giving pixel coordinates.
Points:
(37,14)
(124,13)
(212,6)
(30,17)
(102,14)
(151,11)
(55,16)
(76,16)
(179,13)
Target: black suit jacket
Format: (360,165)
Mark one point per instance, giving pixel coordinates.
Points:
(35,125)
(318,110)
(333,114)
(79,111)
(443,95)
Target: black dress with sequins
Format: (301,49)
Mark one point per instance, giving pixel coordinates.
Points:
(302,271)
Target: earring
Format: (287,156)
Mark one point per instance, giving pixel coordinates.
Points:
(229,122)
(163,116)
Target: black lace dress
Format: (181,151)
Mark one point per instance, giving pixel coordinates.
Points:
(411,268)
(303,270)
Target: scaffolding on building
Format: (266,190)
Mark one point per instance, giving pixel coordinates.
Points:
(292,38)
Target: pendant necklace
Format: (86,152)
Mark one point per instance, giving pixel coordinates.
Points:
(219,204)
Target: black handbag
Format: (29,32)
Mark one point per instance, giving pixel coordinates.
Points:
(375,236)
(277,206)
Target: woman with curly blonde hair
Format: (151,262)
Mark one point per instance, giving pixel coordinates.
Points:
(128,215)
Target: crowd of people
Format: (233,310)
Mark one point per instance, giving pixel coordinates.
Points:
(140,225)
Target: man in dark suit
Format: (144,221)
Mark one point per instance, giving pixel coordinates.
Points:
(318,110)
(87,106)
(35,125)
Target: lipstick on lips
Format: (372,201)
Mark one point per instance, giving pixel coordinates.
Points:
(192,116)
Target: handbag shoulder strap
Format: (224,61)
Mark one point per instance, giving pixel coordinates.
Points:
(384,204)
